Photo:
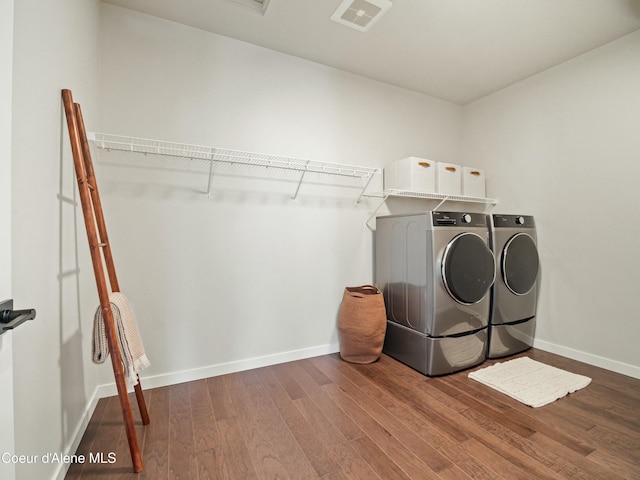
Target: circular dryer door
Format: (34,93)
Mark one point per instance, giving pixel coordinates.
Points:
(468,268)
(520,264)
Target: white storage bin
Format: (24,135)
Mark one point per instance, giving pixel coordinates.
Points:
(412,173)
(473,182)
(449,178)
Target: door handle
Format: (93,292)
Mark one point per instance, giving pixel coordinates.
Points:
(10,318)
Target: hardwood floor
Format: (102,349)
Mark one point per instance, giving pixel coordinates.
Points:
(325,418)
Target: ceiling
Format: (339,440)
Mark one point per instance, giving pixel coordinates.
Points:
(456,50)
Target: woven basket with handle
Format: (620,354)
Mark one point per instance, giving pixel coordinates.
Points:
(362,324)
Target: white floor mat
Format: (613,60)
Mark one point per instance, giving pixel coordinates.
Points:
(530,382)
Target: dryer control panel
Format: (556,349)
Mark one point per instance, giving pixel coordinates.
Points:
(457,219)
(513,221)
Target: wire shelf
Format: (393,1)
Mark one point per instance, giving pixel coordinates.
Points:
(489,203)
(438,196)
(232,157)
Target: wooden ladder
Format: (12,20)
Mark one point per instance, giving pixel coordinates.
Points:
(100,248)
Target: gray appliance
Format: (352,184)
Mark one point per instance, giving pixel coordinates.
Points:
(435,270)
(514,295)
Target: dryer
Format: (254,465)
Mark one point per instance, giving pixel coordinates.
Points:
(514,296)
(435,270)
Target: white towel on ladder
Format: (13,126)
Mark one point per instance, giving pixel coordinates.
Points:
(132,351)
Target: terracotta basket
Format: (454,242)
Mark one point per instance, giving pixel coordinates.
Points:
(362,324)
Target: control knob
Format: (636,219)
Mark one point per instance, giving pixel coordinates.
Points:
(466,218)
(519,220)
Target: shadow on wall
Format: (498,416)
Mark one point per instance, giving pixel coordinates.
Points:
(634,8)
(72,379)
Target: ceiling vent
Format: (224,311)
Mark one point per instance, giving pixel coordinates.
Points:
(360,14)
(260,5)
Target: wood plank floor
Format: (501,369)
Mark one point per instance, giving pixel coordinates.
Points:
(325,418)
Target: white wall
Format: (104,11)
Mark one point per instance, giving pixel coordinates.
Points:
(55,47)
(6,61)
(248,273)
(7,433)
(564,146)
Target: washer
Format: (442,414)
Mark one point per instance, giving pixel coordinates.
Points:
(514,296)
(435,270)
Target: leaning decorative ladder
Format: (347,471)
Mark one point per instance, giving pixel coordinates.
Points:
(100,248)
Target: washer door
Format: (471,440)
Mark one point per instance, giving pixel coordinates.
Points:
(468,268)
(520,264)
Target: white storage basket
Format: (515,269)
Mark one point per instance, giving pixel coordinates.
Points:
(412,173)
(449,178)
(473,182)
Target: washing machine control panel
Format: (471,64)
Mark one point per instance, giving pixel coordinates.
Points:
(506,221)
(453,219)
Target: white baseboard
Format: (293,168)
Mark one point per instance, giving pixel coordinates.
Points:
(173,378)
(602,362)
(72,446)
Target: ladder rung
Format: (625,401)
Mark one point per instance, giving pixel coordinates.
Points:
(83,181)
